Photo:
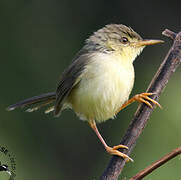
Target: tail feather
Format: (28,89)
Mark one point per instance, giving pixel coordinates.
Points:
(41,100)
(38,106)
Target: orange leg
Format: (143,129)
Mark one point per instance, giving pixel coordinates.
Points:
(111,150)
(142,98)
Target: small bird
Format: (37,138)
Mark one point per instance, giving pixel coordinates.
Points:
(98,82)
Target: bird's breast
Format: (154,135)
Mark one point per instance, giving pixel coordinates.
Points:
(104,87)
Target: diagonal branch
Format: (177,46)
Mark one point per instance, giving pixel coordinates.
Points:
(157,85)
(157,164)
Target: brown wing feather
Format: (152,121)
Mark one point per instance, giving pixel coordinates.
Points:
(69,78)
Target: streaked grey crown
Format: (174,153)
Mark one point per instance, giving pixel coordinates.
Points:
(97,41)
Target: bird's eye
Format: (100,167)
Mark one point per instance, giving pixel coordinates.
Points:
(124,40)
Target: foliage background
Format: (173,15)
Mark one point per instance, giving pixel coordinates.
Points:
(38,39)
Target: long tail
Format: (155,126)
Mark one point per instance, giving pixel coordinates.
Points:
(37,101)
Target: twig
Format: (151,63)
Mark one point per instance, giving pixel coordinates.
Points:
(157,164)
(158,83)
(169,34)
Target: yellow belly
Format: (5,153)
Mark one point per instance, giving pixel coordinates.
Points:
(105,86)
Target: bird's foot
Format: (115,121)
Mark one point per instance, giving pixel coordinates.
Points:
(114,151)
(144,98)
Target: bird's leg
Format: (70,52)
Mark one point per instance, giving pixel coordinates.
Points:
(142,98)
(111,150)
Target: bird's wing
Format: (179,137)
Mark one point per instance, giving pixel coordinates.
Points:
(70,77)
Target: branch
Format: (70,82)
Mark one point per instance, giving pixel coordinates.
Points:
(157,85)
(169,34)
(157,164)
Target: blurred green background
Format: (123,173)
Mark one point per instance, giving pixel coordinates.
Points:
(38,39)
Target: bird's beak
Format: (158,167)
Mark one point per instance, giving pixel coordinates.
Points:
(146,42)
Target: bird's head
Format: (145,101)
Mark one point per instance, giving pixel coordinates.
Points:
(119,39)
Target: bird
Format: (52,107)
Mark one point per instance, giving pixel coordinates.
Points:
(98,82)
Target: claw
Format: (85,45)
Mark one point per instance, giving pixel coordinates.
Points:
(114,151)
(144,98)
(153,101)
(146,102)
(120,146)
